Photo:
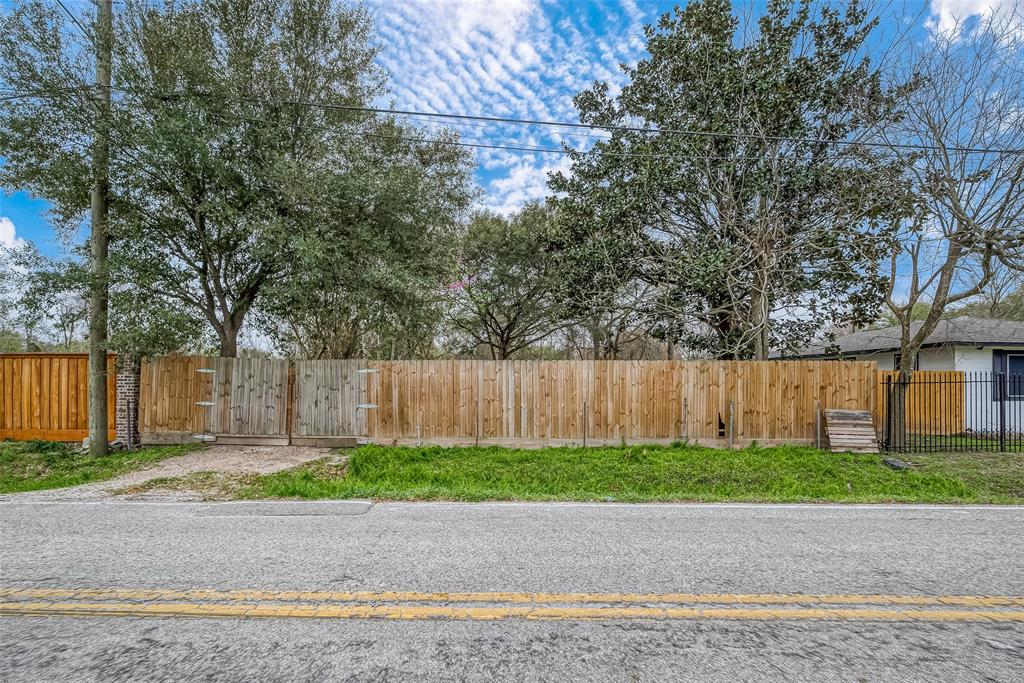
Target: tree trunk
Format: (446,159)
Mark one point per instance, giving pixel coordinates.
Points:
(228,336)
(99,240)
(759,315)
(896,419)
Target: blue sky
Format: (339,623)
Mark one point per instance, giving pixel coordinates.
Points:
(509,58)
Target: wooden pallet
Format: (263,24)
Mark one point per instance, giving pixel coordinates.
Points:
(851,431)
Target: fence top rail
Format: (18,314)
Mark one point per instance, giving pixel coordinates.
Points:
(51,354)
(372,361)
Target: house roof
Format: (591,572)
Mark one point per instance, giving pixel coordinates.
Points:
(962,331)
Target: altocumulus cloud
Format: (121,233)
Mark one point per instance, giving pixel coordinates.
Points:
(507,58)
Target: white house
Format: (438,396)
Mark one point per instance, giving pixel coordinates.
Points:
(985,349)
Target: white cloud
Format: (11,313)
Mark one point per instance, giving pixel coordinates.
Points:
(509,58)
(949,16)
(8,234)
(526,180)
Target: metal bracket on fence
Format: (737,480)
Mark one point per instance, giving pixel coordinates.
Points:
(205,436)
(363,372)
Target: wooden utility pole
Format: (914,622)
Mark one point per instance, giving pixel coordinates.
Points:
(98,241)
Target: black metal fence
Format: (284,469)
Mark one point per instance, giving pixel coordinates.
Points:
(953,412)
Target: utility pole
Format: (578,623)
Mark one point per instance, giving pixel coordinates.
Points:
(99,238)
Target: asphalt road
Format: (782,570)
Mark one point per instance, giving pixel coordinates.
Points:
(536,570)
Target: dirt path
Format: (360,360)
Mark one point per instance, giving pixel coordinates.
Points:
(226,460)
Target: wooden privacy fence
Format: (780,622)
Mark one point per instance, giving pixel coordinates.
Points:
(934,402)
(463,401)
(46,396)
(610,401)
(249,395)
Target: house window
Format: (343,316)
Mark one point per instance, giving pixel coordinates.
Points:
(1015,375)
(897,357)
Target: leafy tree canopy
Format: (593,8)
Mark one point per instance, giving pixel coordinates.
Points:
(752,230)
(226,184)
(505,299)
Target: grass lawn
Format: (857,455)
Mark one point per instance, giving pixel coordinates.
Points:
(945,443)
(647,473)
(35,465)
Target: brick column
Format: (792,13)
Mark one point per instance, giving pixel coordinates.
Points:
(127,404)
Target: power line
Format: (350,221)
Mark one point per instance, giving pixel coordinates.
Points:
(460,143)
(589,126)
(482,143)
(637,129)
(81,26)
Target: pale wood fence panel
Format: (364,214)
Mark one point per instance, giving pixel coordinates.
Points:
(327,395)
(46,396)
(467,400)
(612,400)
(169,389)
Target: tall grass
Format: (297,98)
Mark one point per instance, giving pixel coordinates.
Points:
(632,474)
(36,465)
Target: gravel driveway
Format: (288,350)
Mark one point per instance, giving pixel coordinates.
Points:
(221,459)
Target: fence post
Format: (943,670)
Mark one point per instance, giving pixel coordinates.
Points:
(817,424)
(887,420)
(732,423)
(289,418)
(686,418)
(1003,390)
(126,400)
(585,417)
(479,400)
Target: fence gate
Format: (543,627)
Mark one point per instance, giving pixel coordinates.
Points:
(264,401)
(328,402)
(237,400)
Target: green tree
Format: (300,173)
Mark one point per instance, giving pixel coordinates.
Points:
(47,301)
(52,294)
(369,284)
(505,300)
(223,178)
(721,186)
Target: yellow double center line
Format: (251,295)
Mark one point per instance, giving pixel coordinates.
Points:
(506,605)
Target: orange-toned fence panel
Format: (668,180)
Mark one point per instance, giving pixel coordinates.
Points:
(249,396)
(934,402)
(46,396)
